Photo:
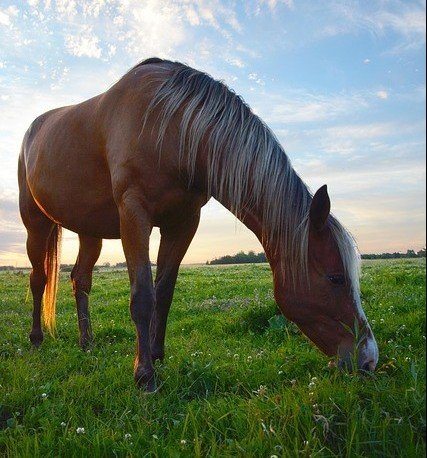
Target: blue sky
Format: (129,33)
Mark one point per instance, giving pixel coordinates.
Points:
(342,84)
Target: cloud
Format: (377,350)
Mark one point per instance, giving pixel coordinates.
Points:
(145,25)
(273,3)
(304,107)
(12,238)
(85,43)
(383,95)
(256,79)
(405,19)
(93,7)
(235,62)
(7,14)
(66,7)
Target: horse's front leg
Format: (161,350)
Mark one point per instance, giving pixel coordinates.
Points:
(135,229)
(174,244)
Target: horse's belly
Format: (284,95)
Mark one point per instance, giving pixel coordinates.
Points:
(102,222)
(79,213)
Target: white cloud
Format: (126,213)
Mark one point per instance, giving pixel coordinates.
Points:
(151,28)
(66,7)
(235,62)
(305,107)
(7,13)
(93,7)
(273,3)
(255,78)
(383,95)
(119,20)
(112,50)
(4,18)
(86,43)
(192,16)
(411,21)
(407,19)
(13,10)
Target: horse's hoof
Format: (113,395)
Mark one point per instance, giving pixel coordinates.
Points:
(86,343)
(146,381)
(36,339)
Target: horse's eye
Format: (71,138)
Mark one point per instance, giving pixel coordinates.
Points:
(337,279)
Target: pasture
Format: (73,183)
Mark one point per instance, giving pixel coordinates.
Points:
(237,380)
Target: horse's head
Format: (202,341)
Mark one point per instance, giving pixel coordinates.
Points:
(326,306)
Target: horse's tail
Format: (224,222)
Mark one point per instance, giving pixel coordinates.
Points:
(52,264)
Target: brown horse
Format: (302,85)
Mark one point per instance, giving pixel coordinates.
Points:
(151,151)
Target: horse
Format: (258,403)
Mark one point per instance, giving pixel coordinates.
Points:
(150,152)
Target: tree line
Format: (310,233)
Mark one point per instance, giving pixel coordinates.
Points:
(251,257)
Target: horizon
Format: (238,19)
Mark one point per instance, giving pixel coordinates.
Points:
(342,85)
(208,261)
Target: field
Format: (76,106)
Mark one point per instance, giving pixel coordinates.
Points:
(237,380)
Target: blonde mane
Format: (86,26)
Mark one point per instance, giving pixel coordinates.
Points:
(246,167)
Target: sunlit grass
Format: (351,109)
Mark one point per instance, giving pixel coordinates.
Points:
(236,381)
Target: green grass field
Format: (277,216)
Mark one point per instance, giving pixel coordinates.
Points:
(236,381)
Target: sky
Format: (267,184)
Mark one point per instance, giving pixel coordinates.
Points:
(341,83)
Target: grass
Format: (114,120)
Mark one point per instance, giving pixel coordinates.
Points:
(237,379)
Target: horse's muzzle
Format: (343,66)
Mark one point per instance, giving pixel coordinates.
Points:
(364,358)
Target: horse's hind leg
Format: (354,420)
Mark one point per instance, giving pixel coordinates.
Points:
(39,228)
(37,241)
(81,277)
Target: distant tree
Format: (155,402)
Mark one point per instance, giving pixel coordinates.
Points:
(422,253)
(410,254)
(240,258)
(66,267)
(252,257)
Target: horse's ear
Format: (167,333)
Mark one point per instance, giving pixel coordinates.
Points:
(320,208)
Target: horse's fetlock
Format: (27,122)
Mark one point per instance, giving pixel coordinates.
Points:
(145,378)
(36,337)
